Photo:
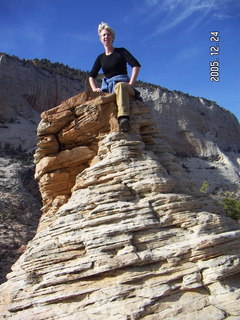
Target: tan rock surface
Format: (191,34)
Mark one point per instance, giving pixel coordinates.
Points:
(124,234)
(204,136)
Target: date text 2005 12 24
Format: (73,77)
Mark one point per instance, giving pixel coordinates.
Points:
(214,53)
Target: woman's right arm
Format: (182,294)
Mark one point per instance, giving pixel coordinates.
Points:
(94,72)
(93,85)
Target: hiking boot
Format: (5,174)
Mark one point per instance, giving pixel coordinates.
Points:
(124,124)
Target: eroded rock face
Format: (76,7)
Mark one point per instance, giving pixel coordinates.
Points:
(204,137)
(25,92)
(33,88)
(20,206)
(124,234)
(193,126)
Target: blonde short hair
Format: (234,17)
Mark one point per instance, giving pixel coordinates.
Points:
(104,25)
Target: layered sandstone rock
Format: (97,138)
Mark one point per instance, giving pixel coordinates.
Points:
(124,234)
(204,137)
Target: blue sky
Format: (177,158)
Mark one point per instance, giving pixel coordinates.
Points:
(170,38)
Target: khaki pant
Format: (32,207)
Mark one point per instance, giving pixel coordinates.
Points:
(123,91)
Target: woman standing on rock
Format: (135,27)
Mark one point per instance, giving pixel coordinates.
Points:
(114,65)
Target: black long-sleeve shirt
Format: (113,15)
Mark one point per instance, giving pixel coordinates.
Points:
(114,64)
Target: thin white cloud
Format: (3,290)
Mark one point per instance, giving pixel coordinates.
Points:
(169,14)
(87,37)
(151,3)
(175,12)
(221,16)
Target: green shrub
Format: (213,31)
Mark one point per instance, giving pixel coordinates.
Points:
(231,205)
(204,187)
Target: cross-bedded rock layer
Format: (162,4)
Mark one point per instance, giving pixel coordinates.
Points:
(124,234)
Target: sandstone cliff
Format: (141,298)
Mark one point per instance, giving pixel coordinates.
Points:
(25,92)
(203,136)
(125,232)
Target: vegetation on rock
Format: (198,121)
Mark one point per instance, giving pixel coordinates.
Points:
(231,205)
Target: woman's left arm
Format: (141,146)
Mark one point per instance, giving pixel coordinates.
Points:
(135,72)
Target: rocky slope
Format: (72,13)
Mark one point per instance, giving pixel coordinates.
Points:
(25,91)
(203,137)
(19,209)
(124,233)
(196,141)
